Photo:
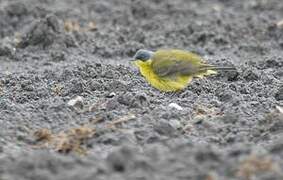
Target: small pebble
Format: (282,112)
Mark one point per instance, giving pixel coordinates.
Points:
(76,102)
(111,95)
(165,128)
(251,74)
(175,106)
(279,94)
(279,24)
(279,109)
(188,128)
(175,123)
(6,49)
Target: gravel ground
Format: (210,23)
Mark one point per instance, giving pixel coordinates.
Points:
(72,106)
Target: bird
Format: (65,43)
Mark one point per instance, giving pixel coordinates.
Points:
(172,70)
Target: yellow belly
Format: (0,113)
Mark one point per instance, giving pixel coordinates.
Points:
(161,83)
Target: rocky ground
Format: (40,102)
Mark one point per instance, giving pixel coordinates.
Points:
(72,106)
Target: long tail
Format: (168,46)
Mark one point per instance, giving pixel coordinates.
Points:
(217,68)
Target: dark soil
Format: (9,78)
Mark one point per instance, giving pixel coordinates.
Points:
(229,126)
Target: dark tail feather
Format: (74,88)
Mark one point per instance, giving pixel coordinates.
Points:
(219,68)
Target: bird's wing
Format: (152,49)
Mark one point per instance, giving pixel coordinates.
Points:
(175,62)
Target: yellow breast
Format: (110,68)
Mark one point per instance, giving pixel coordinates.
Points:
(161,83)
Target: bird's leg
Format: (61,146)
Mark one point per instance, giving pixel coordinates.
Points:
(167,94)
(177,93)
(174,94)
(171,94)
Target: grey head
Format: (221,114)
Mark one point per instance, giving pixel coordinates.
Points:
(143,55)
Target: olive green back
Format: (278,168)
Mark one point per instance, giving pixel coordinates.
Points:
(176,62)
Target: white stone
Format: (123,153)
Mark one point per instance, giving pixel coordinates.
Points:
(77,101)
(112,94)
(279,24)
(175,106)
(279,109)
(175,123)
